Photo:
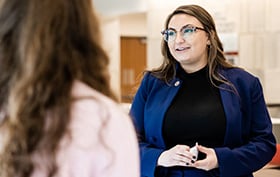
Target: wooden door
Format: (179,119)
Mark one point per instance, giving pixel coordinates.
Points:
(133,63)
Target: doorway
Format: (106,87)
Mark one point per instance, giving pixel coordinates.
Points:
(133,64)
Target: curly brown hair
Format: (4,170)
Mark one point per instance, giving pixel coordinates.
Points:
(44,47)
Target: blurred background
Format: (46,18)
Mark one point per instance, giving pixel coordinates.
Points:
(249,30)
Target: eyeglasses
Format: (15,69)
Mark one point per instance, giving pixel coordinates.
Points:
(170,34)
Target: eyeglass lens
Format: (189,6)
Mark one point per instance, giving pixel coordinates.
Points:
(186,31)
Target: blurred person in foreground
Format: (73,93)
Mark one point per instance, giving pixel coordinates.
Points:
(59,117)
(197,99)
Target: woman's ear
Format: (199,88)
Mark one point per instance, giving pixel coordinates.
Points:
(208,42)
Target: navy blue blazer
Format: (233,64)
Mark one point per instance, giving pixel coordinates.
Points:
(249,143)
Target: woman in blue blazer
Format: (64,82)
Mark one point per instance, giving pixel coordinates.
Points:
(197,99)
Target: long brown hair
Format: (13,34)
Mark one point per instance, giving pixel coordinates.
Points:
(44,47)
(216,58)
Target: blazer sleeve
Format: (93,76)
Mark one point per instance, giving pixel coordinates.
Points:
(258,142)
(149,153)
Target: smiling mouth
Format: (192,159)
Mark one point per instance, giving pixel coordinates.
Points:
(182,48)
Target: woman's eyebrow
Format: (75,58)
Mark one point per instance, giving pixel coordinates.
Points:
(181,27)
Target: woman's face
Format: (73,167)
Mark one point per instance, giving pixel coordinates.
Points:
(189,47)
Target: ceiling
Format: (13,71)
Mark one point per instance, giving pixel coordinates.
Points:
(119,7)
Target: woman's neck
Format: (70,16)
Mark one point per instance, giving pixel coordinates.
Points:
(192,69)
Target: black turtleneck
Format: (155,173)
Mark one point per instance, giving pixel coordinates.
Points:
(196,113)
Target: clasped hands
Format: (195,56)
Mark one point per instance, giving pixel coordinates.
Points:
(180,155)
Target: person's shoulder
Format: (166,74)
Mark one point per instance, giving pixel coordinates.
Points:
(91,109)
(97,122)
(239,73)
(151,82)
(241,78)
(83,93)
(150,78)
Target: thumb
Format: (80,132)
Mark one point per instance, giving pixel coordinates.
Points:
(202,149)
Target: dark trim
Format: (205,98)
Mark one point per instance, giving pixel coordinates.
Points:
(273,104)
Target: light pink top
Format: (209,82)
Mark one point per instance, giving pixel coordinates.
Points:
(97,149)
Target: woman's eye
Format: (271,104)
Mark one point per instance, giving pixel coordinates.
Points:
(171,33)
(188,30)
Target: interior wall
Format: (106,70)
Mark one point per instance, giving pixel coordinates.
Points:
(257,29)
(133,25)
(110,28)
(113,8)
(253,26)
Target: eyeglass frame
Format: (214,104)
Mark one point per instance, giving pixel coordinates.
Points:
(193,28)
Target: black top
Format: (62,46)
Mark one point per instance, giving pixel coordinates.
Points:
(196,113)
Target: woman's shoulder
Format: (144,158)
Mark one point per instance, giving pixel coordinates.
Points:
(96,111)
(97,126)
(242,79)
(81,91)
(91,100)
(150,78)
(237,73)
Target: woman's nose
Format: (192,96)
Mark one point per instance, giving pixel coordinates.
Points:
(179,38)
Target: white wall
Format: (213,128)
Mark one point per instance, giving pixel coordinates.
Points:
(133,25)
(111,43)
(112,8)
(255,22)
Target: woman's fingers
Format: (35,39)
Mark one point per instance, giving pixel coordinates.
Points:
(179,155)
(210,162)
